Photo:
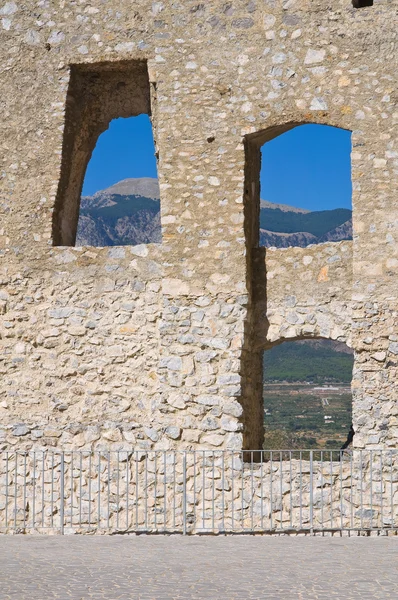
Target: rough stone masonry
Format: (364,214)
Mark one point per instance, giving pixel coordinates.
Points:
(159,346)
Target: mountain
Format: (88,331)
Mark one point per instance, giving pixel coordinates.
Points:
(282,207)
(283,228)
(341,232)
(304,238)
(286,240)
(147,187)
(128,213)
(318,222)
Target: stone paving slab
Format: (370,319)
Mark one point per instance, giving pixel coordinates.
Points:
(163,567)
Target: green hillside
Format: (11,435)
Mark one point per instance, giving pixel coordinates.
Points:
(303,362)
(318,223)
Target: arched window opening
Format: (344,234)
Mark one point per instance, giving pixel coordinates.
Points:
(102,96)
(120,203)
(307,395)
(305,187)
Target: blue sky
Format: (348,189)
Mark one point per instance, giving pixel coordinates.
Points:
(124,150)
(308,167)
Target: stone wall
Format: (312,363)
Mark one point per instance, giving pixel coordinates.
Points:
(159,347)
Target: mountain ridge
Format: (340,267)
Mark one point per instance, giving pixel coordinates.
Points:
(148,187)
(128,213)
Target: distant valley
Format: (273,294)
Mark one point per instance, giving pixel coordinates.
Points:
(128,213)
(307,394)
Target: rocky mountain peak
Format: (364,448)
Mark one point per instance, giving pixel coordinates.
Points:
(147,187)
(128,213)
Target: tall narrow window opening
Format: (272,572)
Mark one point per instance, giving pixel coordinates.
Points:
(97,94)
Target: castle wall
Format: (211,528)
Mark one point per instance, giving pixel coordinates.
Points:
(158,347)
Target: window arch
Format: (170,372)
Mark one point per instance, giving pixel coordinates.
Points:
(97,94)
(120,202)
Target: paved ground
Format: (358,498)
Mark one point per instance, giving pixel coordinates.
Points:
(149,567)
